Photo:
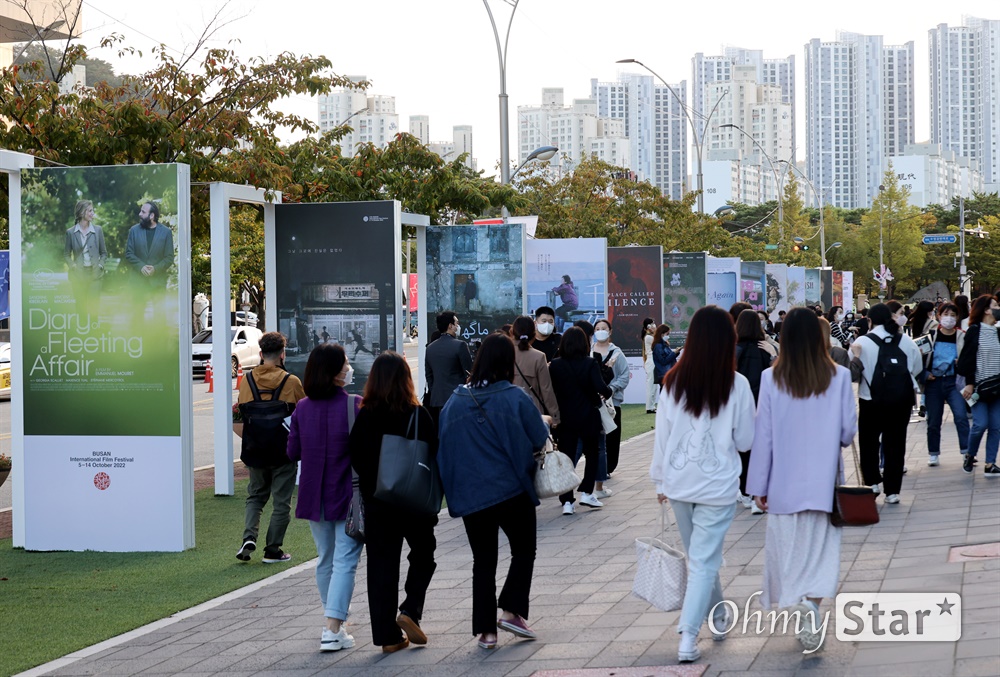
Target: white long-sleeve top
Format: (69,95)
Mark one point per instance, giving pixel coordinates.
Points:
(869,359)
(695,457)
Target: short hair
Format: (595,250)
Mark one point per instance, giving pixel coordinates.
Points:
(567,279)
(445,319)
(544,310)
(737,308)
(325,363)
(153,210)
(748,326)
(390,384)
(81,208)
(522,331)
(575,344)
(949,307)
(271,344)
(605,321)
(587,327)
(494,361)
(781,312)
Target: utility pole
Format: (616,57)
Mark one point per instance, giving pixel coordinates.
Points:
(963,271)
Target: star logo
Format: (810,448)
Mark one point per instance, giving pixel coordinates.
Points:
(945,607)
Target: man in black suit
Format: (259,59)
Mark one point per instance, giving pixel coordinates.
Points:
(149,251)
(447,362)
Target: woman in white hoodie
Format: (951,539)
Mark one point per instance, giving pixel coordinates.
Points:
(704,417)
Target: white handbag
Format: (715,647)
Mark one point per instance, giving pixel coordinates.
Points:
(607,409)
(556,474)
(661,571)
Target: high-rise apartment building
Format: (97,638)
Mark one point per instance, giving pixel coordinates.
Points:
(461,142)
(420,127)
(372,117)
(935,176)
(965,93)
(897,97)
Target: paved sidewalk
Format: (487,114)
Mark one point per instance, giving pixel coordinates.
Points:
(581,602)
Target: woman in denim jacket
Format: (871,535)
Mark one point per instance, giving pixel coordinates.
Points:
(489,431)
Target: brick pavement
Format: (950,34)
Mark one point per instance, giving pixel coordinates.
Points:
(581,602)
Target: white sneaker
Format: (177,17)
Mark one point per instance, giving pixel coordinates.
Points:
(335,641)
(808,632)
(745,501)
(722,623)
(688,652)
(568,508)
(602,493)
(892,498)
(754,510)
(877,488)
(933,460)
(590,501)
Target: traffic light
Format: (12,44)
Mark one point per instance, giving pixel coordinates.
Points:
(800,248)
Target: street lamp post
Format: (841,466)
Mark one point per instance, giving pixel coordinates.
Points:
(699,143)
(504,120)
(819,198)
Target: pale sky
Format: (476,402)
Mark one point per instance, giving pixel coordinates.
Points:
(439,58)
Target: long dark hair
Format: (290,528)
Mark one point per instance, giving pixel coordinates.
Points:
(390,384)
(660,331)
(979,308)
(645,327)
(494,361)
(919,317)
(523,331)
(962,303)
(748,326)
(324,365)
(881,314)
(804,367)
(705,373)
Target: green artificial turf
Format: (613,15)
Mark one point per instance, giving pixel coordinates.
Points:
(635,420)
(54,603)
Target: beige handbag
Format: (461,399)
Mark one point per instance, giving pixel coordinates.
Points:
(556,474)
(661,571)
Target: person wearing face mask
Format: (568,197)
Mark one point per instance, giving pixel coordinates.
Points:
(664,357)
(835,317)
(922,322)
(947,343)
(979,363)
(274,477)
(646,336)
(447,362)
(318,437)
(611,356)
(546,338)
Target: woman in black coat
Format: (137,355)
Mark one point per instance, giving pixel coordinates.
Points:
(577,382)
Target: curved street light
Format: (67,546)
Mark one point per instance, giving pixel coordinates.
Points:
(542,153)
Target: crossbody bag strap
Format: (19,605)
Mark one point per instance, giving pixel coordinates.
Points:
(545,409)
(351,415)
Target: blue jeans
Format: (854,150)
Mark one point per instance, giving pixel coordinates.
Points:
(703,529)
(338,561)
(985,421)
(938,391)
(602,456)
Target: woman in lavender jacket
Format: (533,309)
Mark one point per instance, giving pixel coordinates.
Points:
(318,437)
(794,468)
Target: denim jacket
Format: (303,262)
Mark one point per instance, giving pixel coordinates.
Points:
(486,456)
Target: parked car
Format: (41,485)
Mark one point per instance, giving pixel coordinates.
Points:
(248,319)
(4,371)
(245,349)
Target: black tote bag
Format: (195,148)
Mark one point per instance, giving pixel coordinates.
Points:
(407,473)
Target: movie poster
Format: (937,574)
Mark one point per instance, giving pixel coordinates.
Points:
(5,286)
(476,271)
(102,357)
(848,281)
(635,292)
(838,288)
(812,287)
(338,280)
(684,291)
(570,276)
(796,286)
(777,289)
(723,281)
(826,288)
(753,280)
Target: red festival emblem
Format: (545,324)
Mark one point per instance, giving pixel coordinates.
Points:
(102,481)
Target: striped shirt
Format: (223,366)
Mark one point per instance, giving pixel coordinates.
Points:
(988,354)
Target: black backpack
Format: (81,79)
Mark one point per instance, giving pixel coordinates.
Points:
(265,438)
(607,373)
(891,383)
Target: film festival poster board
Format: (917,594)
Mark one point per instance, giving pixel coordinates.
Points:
(723,281)
(635,292)
(826,288)
(838,288)
(338,275)
(103,375)
(776,292)
(5,287)
(812,287)
(570,275)
(478,272)
(753,281)
(848,282)
(684,290)
(796,286)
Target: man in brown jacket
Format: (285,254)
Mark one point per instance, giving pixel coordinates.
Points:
(277,479)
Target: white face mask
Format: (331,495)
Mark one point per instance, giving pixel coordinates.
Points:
(349,376)
(949,321)
(666,338)
(544,328)
(458,330)
(839,317)
(901,320)
(602,335)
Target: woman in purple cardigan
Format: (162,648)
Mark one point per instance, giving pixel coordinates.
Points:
(794,468)
(318,437)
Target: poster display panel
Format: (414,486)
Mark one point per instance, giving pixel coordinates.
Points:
(5,286)
(635,292)
(570,275)
(753,281)
(103,373)
(826,288)
(684,291)
(796,286)
(848,282)
(476,271)
(838,288)
(723,281)
(338,280)
(812,287)
(777,289)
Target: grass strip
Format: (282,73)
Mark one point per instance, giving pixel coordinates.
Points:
(635,420)
(55,603)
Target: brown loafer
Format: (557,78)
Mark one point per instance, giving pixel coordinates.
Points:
(393,648)
(411,628)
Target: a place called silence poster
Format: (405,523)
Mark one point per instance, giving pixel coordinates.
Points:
(684,288)
(635,292)
(338,275)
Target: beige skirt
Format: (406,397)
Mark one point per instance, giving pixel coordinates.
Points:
(801,558)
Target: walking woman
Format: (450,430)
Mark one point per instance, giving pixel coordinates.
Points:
(704,417)
(489,432)
(835,317)
(531,370)
(391,407)
(891,360)
(613,358)
(318,437)
(751,361)
(664,357)
(652,387)
(576,379)
(794,468)
(979,363)
(939,383)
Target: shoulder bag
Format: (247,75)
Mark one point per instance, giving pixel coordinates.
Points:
(538,398)
(989,388)
(556,474)
(661,570)
(853,505)
(407,473)
(355,524)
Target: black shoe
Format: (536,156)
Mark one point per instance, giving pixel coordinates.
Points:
(967,464)
(244,553)
(991,470)
(922,412)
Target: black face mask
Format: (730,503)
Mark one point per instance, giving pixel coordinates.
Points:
(996,314)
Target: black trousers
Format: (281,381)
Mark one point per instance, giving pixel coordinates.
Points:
(516,516)
(745,462)
(569,436)
(613,441)
(885,425)
(386,527)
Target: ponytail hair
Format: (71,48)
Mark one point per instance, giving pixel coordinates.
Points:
(523,331)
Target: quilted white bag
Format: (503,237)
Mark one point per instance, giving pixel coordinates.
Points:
(556,474)
(607,409)
(661,571)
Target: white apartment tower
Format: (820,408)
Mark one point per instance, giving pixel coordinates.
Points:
(848,117)
(965,93)
(371,117)
(420,127)
(898,98)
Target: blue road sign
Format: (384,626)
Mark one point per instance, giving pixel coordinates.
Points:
(940,239)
